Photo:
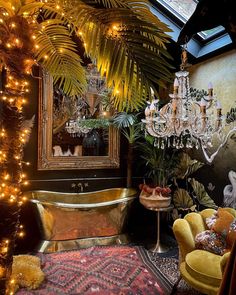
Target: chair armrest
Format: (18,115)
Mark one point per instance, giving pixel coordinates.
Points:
(223,261)
(184,237)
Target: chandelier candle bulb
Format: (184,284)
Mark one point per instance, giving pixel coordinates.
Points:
(152,92)
(210,89)
(176,86)
(203,105)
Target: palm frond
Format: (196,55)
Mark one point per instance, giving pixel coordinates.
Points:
(57,53)
(123,120)
(133,56)
(7,5)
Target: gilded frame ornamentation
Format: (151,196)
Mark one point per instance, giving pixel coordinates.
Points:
(46,159)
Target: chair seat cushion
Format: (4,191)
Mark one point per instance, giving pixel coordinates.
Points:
(204,266)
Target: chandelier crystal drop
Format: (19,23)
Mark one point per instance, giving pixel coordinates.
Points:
(186,122)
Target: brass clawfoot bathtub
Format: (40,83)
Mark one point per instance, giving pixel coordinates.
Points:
(77,220)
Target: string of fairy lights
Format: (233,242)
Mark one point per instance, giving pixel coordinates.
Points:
(13,97)
(12,176)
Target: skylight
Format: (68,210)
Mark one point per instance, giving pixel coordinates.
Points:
(183,9)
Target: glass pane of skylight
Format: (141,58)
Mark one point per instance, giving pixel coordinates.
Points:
(183,9)
(212,32)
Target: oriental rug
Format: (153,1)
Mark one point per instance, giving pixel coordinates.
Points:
(101,270)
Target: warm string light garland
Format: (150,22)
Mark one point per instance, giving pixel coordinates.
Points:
(17,43)
(12,177)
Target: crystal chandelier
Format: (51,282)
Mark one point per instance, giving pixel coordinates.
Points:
(88,104)
(185,122)
(73,127)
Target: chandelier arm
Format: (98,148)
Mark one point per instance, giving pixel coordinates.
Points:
(212,157)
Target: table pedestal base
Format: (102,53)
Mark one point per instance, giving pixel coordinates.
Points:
(159,249)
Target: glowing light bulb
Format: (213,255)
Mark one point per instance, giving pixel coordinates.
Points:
(7,176)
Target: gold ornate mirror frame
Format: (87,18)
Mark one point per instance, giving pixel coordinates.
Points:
(46,159)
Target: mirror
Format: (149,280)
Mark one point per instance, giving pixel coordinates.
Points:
(73,134)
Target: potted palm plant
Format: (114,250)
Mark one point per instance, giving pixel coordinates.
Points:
(159,165)
(130,127)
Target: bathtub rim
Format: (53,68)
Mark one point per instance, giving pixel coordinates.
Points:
(85,205)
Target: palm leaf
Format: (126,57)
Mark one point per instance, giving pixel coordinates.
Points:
(57,53)
(7,5)
(202,196)
(132,134)
(129,126)
(123,120)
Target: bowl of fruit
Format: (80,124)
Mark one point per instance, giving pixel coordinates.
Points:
(154,197)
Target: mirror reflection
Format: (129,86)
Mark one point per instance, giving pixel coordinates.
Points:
(74,129)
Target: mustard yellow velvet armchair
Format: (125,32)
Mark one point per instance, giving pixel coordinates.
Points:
(201,269)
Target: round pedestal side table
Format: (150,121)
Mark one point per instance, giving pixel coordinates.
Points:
(158,248)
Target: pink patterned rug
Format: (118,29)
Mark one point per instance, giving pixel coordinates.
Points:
(100,270)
